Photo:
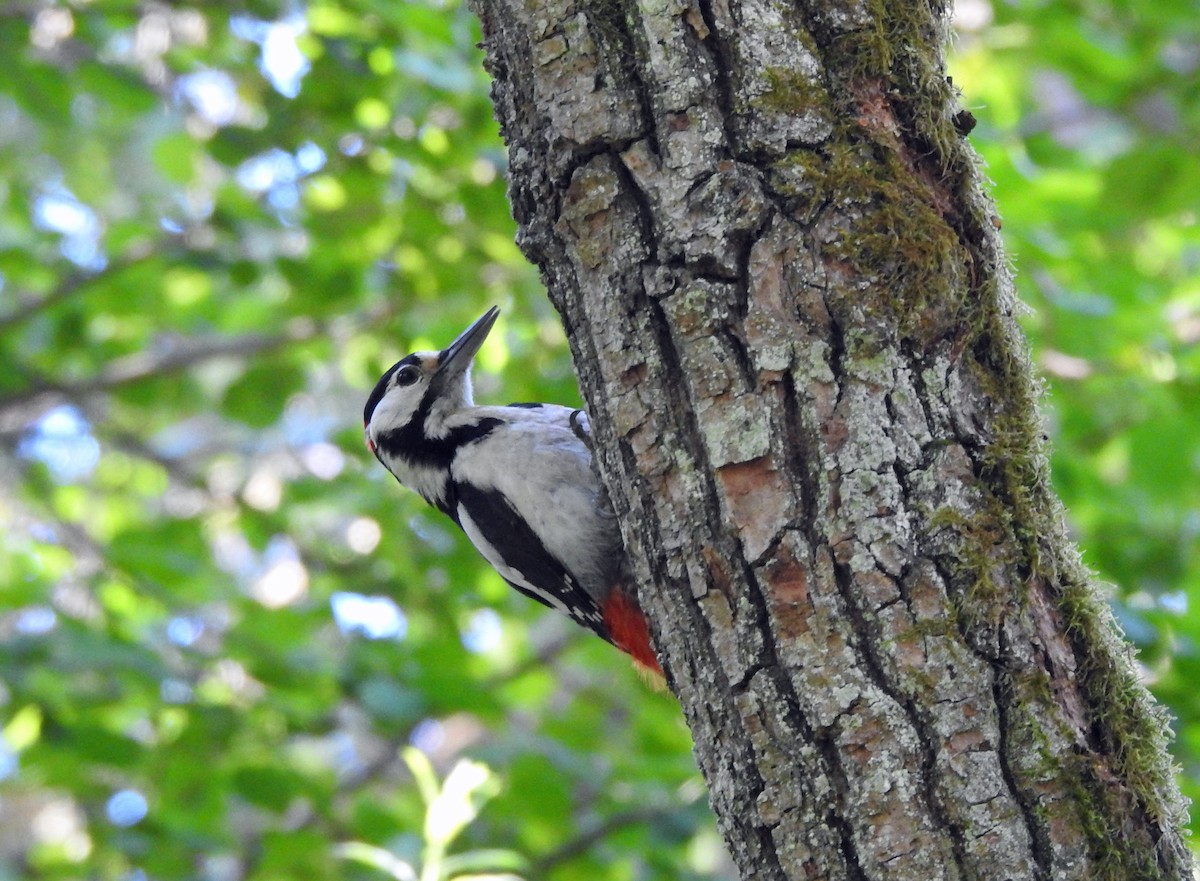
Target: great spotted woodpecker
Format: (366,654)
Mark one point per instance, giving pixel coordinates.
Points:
(517,479)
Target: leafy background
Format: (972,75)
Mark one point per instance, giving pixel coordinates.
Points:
(231,647)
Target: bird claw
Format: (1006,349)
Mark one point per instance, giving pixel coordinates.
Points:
(577,427)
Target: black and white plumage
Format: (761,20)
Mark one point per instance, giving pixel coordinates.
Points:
(519,481)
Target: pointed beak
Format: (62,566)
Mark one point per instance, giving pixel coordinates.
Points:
(456,358)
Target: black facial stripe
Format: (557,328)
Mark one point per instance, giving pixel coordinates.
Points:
(410,444)
(528,406)
(381,387)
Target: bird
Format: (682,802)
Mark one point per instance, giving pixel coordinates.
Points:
(517,479)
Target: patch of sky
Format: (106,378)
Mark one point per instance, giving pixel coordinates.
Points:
(62,440)
(184,630)
(36,620)
(1175,602)
(126,807)
(305,422)
(9,764)
(281,61)
(57,210)
(275,174)
(483,631)
(212,94)
(428,735)
(375,617)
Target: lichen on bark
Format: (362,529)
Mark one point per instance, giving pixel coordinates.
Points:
(783,284)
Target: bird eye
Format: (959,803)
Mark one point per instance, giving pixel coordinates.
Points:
(408,375)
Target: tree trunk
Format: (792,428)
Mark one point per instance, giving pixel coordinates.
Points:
(784,288)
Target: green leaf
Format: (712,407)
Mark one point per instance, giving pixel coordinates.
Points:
(258,396)
(175,155)
(103,747)
(296,854)
(268,786)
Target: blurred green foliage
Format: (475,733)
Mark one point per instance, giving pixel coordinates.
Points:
(230,646)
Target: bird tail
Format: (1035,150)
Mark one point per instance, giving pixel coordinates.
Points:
(628,629)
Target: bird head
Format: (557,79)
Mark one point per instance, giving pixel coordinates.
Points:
(421,390)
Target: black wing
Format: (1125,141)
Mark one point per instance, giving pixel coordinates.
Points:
(517,553)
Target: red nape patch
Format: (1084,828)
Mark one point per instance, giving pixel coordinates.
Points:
(627,626)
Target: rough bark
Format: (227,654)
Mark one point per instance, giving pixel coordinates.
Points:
(786,296)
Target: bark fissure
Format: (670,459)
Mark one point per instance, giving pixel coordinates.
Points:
(829,761)
(853,862)
(1042,850)
(720,64)
(937,794)
(797,461)
(929,776)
